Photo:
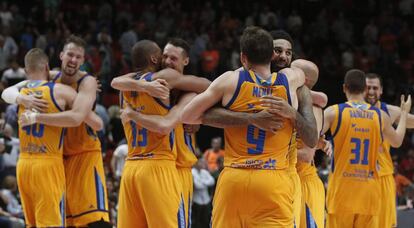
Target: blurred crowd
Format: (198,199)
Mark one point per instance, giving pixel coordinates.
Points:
(374,36)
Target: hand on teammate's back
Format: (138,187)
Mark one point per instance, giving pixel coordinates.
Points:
(32,103)
(27,118)
(278,106)
(405,104)
(324,145)
(125,113)
(158,88)
(267,121)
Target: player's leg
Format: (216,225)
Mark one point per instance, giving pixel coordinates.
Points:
(340,220)
(86,191)
(366,221)
(297,197)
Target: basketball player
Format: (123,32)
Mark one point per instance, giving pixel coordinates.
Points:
(313,191)
(86,195)
(254,189)
(388,211)
(358,130)
(175,56)
(152,155)
(40,170)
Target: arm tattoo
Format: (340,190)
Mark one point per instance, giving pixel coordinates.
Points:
(305,119)
(222,118)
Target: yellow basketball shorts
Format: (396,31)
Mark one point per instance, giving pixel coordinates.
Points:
(186,180)
(150,195)
(313,202)
(388,209)
(344,220)
(41,184)
(297,197)
(253,198)
(86,189)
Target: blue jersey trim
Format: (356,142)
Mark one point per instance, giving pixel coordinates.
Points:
(383,107)
(51,87)
(333,155)
(341,108)
(57,76)
(242,77)
(282,80)
(310,221)
(148,78)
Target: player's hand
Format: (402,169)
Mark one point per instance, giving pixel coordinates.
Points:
(266,121)
(278,106)
(32,103)
(99,87)
(318,98)
(27,118)
(158,88)
(126,113)
(405,104)
(325,146)
(191,128)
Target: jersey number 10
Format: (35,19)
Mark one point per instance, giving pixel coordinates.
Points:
(36,130)
(357,151)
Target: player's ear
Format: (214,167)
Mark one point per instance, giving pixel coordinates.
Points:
(344,88)
(186,61)
(243,59)
(154,59)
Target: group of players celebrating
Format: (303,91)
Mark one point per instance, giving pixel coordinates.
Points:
(273,125)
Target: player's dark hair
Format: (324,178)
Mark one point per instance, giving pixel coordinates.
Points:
(374,76)
(355,81)
(141,53)
(178,42)
(78,41)
(257,44)
(281,34)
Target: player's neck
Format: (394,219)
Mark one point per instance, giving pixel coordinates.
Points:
(66,79)
(37,76)
(262,70)
(355,97)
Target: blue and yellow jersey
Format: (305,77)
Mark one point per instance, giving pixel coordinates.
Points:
(185,148)
(357,139)
(386,166)
(80,139)
(39,140)
(249,146)
(142,143)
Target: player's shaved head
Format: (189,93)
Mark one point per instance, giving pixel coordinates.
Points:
(144,53)
(354,81)
(35,60)
(310,69)
(257,44)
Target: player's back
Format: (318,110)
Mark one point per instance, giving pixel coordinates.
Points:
(385,163)
(142,143)
(39,140)
(82,138)
(251,147)
(357,138)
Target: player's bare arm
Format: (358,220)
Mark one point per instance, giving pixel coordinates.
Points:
(156,88)
(221,118)
(12,95)
(395,113)
(306,153)
(156,123)
(396,137)
(193,112)
(65,97)
(181,82)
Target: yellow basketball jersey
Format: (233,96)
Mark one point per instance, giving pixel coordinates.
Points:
(304,169)
(249,146)
(39,140)
(386,166)
(82,138)
(185,148)
(142,143)
(357,138)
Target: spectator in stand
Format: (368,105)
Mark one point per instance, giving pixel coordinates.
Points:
(115,125)
(401,183)
(215,174)
(201,209)
(9,192)
(211,155)
(14,74)
(209,62)
(10,159)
